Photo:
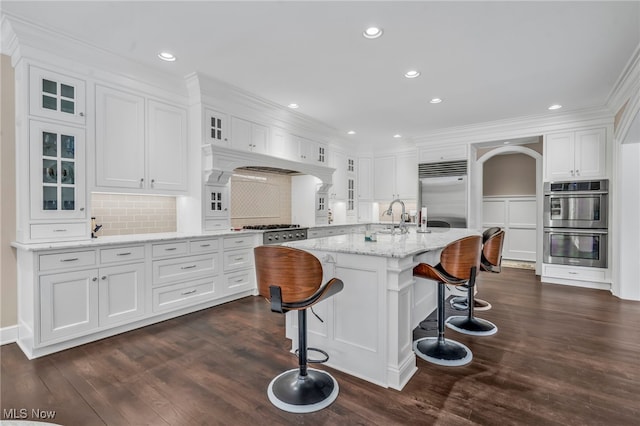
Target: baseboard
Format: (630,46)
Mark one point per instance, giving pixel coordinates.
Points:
(8,334)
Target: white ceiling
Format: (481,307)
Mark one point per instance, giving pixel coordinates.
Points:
(487,60)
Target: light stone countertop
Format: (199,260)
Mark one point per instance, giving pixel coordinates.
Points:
(129,239)
(387,245)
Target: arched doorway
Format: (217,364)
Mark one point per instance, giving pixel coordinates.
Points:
(477,196)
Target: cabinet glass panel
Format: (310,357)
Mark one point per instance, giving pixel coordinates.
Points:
(58,171)
(58,96)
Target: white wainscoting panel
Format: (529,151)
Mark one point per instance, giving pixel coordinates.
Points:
(517,216)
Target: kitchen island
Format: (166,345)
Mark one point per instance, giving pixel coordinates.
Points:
(367,327)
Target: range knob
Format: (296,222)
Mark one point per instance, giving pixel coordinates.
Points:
(275,238)
(269,238)
(290,235)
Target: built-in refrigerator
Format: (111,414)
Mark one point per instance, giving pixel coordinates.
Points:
(443,191)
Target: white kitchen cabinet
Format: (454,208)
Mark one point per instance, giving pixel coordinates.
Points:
(446,153)
(57,171)
(365,179)
(56,96)
(120,133)
(121,293)
(339,188)
(215,127)
(283,145)
(575,155)
(167,147)
(395,176)
(141,145)
(312,152)
(248,136)
(68,304)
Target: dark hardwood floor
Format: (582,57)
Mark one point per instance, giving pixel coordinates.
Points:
(562,356)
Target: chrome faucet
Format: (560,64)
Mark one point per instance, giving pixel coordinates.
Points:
(389,211)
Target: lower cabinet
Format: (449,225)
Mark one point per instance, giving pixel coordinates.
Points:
(73,303)
(68,297)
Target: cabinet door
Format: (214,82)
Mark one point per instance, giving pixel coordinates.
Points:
(241,134)
(259,136)
(384,178)
(68,304)
(339,189)
(590,153)
(283,145)
(121,293)
(216,203)
(57,171)
(215,127)
(364,179)
(119,139)
(56,96)
(407,176)
(167,147)
(559,156)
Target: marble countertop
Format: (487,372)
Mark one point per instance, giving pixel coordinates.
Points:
(129,239)
(387,245)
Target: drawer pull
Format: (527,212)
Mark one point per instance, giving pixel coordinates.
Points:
(188,292)
(127,253)
(205,245)
(573,273)
(239,241)
(188,267)
(171,249)
(239,259)
(71,259)
(59,230)
(240,280)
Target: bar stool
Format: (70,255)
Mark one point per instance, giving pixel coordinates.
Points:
(470,324)
(491,249)
(459,262)
(291,280)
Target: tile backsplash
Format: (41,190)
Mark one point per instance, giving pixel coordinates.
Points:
(121,214)
(260,198)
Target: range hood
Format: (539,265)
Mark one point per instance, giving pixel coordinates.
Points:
(220,162)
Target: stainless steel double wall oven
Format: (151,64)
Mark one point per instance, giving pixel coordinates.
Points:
(576,223)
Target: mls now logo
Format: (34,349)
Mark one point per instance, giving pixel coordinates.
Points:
(23,413)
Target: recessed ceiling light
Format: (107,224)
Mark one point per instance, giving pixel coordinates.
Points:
(435,101)
(166,56)
(372,32)
(506,142)
(351,132)
(293,106)
(397,136)
(555,106)
(412,74)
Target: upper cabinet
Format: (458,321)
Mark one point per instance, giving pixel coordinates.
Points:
(396,176)
(365,180)
(248,136)
(216,127)
(312,152)
(575,155)
(56,96)
(141,144)
(283,144)
(446,153)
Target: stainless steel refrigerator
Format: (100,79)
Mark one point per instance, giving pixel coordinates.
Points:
(443,191)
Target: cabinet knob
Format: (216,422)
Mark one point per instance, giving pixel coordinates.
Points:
(94,279)
(153,181)
(81,114)
(104,277)
(577,172)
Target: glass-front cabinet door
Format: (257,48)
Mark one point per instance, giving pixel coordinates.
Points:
(57,171)
(57,96)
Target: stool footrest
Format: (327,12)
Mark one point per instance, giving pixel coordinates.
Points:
(315,361)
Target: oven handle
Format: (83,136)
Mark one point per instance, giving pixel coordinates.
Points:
(566,194)
(575,231)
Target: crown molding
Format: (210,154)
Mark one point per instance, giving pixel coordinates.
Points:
(520,127)
(627,85)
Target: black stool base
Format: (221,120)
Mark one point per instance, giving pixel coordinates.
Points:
(473,326)
(303,394)
(461,303)
(449,353)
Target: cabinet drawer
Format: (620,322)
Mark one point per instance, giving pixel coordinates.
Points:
(184,294)
(238,242)
(575,273)
(169,249)
(204,246)
(237,259)
(77,259)
(59,231)
(185,268)
(239,281)
(121,254)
